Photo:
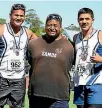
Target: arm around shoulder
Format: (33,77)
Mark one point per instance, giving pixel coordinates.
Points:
(30,34)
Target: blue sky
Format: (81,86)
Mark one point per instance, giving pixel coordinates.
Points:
(67,9)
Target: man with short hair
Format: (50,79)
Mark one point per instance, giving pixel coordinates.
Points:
(13,42)
(50,57)
(88,66)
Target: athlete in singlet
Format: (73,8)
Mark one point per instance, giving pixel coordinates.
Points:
(13,43)
(88,65)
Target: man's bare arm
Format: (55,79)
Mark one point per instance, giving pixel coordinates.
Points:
(1,29)
(30,34)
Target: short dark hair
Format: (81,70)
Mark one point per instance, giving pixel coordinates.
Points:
(87,11)
(54,16)
(18,7)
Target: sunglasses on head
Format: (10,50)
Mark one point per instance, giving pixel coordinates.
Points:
(54,16)
(18,6)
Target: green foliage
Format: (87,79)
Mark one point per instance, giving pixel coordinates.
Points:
(2,21)
(34,22)
(71,105)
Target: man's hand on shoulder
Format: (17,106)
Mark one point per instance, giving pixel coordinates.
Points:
(65,37)
(31,35)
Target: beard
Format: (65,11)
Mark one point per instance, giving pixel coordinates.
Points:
(53,37)
(50,38)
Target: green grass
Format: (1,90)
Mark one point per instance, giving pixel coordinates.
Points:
(71,105)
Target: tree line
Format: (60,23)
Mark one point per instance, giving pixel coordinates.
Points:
(33,22)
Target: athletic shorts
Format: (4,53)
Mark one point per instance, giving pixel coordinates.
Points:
(12,92)
(89,94)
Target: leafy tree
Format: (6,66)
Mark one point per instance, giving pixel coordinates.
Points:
(35,24)
(2,21)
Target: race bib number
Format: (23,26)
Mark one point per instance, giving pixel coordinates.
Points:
(15,64)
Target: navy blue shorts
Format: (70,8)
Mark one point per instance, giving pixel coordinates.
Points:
(88,94)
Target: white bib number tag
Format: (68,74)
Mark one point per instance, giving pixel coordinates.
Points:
(15,64)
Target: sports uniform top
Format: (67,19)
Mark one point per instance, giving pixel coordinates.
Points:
(86,72)
(12,53)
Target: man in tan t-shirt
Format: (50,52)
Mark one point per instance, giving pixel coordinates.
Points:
(50,57)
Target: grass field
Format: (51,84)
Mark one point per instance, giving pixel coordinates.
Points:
(71,105)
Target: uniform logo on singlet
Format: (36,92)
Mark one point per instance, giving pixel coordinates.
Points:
(49,54)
